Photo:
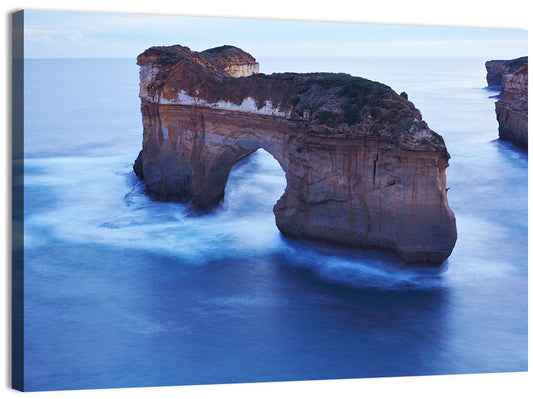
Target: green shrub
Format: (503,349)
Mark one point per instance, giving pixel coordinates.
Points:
(351,112)
(516,62)
(323,116)
(317,106)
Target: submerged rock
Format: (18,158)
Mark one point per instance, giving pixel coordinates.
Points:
(362,167)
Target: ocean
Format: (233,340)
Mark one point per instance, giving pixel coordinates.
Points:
(124,291)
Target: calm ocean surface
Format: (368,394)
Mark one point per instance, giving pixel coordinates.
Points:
(122,291)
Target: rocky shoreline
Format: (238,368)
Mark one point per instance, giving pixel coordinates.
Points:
(512,105)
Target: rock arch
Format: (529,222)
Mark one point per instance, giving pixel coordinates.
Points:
(362,168)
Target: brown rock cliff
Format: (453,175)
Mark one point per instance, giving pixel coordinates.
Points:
(362,168)
(497,69)
(511,108)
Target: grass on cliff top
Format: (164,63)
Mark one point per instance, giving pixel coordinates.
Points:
(169,55)
(517,62)
(358,94)
(355,93)
(329,80)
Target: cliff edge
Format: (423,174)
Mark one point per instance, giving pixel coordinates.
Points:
(362,167)
(511,108)
(497,69)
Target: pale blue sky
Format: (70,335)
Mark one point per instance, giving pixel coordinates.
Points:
(58,34)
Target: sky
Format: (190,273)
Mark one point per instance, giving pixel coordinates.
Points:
(61,34)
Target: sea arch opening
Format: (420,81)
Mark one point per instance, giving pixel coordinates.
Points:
(255,183)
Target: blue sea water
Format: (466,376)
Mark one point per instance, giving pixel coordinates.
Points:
(123,291)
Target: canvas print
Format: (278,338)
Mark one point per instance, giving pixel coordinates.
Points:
(217,200)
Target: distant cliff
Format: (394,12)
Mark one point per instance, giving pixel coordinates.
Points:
(497,69)
(362,167)
(511,108)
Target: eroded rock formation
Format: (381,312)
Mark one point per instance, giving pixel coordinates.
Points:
(497,69)
(362,167)
(511,108)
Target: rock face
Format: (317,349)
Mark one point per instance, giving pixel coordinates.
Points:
(497,69)
(511,108)
(362,168)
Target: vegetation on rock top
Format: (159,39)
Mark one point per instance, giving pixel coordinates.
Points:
(517,62)
(326,100)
